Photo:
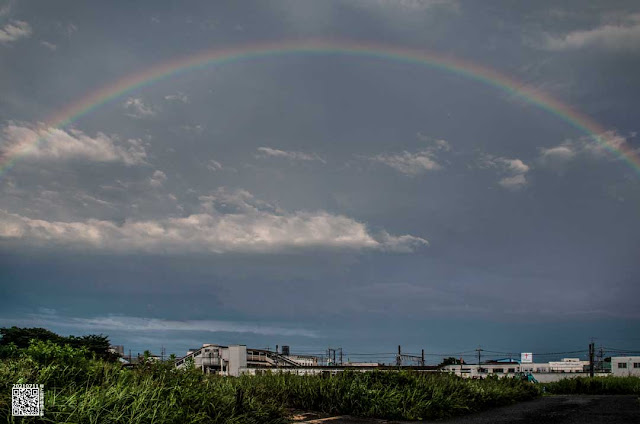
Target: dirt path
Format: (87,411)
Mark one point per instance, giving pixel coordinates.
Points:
(577,409)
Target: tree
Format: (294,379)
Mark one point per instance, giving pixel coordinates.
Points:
(95,344)
(21,337)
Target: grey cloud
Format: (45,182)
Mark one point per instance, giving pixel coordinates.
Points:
(6,8)
(137,324)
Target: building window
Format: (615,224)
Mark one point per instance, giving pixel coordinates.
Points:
(512,370)
(636,365)
(622,365)
(498,370)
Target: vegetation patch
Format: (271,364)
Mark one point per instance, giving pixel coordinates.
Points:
(85,387)
(595,386)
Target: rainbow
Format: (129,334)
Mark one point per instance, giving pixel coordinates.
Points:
(66,116)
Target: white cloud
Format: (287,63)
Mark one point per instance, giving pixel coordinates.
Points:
(515,170)
(227,222)
(14,30)
(214,165)
(418,4)
(270,152)
(180,97)
(415,163)
(514,182)
(158,178)
(410,6)
(568,150)
(558,155)
(49,45)
(562,152)
(437,144)
(139,324)
(47,143)
(515,165)
(138,109)
(609,139)
(619,36)
(409,163)
(70,29)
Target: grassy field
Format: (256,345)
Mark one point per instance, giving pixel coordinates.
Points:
(82,390)
(595,386)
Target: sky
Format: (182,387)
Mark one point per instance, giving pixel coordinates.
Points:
(329,198)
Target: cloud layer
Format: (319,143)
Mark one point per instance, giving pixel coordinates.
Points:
(228,222)
(137,324)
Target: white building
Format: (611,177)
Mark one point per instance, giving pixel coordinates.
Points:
(304,360)
(237,359)
(510,368)
(624,366)
(217,359)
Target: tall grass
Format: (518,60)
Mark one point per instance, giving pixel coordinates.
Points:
(94,391)
(595,386)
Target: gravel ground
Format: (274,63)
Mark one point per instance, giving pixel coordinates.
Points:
(577,409)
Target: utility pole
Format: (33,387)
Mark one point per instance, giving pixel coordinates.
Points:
(399,357)
(592,349)
(331,356)
(422,360)
(479,350)
(600,360)
(340,356)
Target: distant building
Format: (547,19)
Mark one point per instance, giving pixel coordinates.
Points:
(624,366)
(238,359)
(304,360)
(117,350)
(363,364)
(217,359)
(509,367)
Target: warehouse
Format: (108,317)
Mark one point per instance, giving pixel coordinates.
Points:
(625,366)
